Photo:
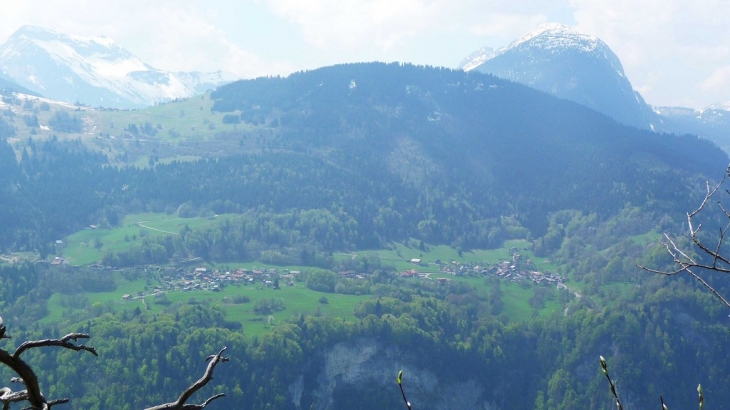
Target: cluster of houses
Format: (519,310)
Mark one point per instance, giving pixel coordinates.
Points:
(517,269)
(186,280)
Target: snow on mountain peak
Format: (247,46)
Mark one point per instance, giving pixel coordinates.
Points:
(551,38)
(75,68)
(559,60)
(89,57)
(101,40)
(558,37)
(476,58)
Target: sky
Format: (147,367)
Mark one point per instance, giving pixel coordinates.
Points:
(674,52)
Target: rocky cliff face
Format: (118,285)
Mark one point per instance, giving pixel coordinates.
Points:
(368,362)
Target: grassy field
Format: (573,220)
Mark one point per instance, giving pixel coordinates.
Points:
(297,299)
(182,130)
(190,118)
(87,246)
(515,297)
(400,255)
(646,238)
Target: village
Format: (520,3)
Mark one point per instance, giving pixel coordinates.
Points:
(201,278)
(518,269)
(172,279)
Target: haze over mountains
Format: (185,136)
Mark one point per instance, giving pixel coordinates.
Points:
(94,71)
(356,157)
(561,61)
(335,173)
(555,59)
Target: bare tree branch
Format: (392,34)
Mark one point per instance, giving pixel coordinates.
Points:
(2,330)
(686,263)
(62,342)
(32,392)
(8,396)
(179,404)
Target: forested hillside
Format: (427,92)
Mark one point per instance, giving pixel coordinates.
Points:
(659,339)
(338,162)
(391,151)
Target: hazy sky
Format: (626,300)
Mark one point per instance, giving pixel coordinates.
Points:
(674,52)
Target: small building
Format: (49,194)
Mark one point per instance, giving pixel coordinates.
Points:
(416,260)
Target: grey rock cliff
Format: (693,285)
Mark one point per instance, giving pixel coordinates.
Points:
(369,362)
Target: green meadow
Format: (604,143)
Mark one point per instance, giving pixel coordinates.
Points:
(400,255)
(187,119)
(86,247)
(297,299)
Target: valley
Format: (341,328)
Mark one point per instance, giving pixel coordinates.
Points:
(335,226)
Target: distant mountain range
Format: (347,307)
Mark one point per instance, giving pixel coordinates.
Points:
(404,151)
(94,71)
(561,61)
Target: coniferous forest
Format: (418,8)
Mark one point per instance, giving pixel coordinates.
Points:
(357,157)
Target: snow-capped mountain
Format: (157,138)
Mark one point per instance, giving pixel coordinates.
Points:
(94,71)
(571,65)
(477,58)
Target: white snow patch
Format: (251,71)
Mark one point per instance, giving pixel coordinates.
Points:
(558,37)
(33,98)
(477,58)
(116,68)
(554,38)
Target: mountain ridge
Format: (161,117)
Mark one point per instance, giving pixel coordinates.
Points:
(431,153)
(480,131)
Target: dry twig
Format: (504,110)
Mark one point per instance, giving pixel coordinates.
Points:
(32,392)
(180,404)
(691,265)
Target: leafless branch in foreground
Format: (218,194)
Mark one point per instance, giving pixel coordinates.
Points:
(685,262)
(27,376)
(179,404)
